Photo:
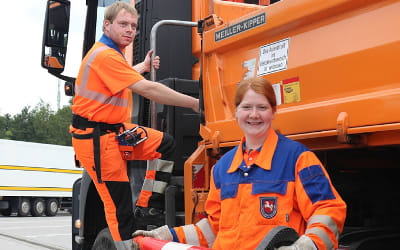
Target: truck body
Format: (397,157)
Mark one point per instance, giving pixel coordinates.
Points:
(36,178)
(334,69)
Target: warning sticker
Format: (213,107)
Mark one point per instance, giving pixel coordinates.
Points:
(291,90)
(273,57)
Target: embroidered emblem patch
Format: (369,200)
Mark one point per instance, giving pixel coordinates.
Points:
(268,207)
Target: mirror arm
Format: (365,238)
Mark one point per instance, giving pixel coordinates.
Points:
(62,77)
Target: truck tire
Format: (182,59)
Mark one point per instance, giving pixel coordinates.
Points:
(277,237)
(24,207)
(51,207)
(6,212)
(104,241)
(38,207)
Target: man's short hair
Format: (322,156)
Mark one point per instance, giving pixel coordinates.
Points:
(113,10)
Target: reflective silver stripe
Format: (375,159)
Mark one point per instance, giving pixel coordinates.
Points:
(152,165)
(148,185)
(160,166)
(165,166)
(322,235)
(207,231)
(327,221)
(191,235)
(89,61)
(93,95)
(159,186)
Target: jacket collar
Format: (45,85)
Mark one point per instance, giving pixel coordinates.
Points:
(264,159)
(110,43)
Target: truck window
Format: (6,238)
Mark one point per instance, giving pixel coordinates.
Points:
(100,15)
(76,28)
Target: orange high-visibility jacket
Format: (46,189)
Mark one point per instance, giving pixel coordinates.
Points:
(287,185)
(101,92)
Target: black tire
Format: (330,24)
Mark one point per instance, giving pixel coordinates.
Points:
(38,207)
(51,207)
(277,237)
(104,241)
(24,207)
(6,212)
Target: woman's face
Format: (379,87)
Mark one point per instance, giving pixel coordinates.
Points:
(254,115)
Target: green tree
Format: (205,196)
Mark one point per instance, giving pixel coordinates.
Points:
(5,121)
(42,114)
(21,126)
(59,127)
(40,124)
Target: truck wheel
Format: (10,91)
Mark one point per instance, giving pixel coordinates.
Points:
(6,212)
(277,237)
(51,207)
(24,207)
(104,241)
(38,207)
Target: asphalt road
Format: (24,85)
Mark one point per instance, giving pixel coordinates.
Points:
(28,233)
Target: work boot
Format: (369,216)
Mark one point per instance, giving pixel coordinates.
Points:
(143,212)
(148,218)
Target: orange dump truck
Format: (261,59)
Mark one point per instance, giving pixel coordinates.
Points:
(334,66)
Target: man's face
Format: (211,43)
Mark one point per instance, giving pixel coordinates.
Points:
(122,30)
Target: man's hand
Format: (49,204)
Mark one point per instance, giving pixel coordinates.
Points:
(147,60)
(161,233)
(145,66)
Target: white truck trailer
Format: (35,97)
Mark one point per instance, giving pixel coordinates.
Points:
(36,178)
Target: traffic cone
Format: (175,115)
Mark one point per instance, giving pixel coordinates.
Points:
(148,243)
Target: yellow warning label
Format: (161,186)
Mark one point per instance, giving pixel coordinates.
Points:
(291,92)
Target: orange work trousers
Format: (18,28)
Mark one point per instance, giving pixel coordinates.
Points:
(115,190)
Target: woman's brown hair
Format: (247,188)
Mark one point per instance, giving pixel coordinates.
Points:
(260,85)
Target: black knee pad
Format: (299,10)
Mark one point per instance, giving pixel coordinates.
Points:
(167,147)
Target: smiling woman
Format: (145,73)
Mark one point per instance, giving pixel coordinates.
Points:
(255,109)
(266,181)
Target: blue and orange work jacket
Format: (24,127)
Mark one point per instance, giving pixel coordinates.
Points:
(282,183)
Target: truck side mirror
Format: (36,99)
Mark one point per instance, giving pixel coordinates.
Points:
(55,35)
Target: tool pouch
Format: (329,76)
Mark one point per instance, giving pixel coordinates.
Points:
(129,139)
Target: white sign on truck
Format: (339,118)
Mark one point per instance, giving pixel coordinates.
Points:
(35,178)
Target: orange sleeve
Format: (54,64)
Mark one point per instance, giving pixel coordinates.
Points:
(319,201)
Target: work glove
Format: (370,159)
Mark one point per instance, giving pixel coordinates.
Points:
(161,233)
(303,243)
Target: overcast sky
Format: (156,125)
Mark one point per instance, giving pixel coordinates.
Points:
(23,80)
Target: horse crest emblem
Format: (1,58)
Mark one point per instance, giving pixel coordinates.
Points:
(268,207)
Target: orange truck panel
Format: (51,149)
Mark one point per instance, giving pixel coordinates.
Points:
(327,58)
(334,66)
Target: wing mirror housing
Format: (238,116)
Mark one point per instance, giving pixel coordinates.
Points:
(55,35)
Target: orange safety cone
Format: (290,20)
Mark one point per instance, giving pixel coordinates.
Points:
(148,243)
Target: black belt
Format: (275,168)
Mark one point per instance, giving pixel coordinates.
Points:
(99,129)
